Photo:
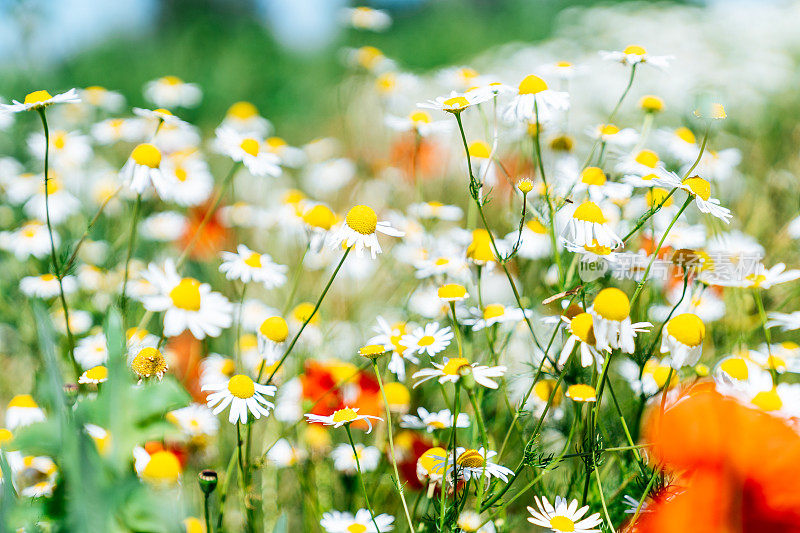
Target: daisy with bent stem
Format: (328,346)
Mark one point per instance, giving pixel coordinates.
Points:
(345,417)
(563,517)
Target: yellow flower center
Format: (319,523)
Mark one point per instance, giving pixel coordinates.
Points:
(612,304)
(608,129)
(242,110)
(163,111)
(687,328)
(480,249)
(735,367)
(356,528)
(661,373)
(163,467)
(386,82)
(454,366)
(493,311)
(228,367)
(562,523)
(470,459)
(634,50)
(699,187)
(186,294)
(563,64)
(59,140)
(37,96)
(22,400)
(362,219)
(372,351)
(146,155)
(593,176)
(250,146)
(397,394)
(583,328)
(276,143)
(544,389)
(369,56)
(597,249)
(647,158)
(181,174)
(656,196)
(148,362)
(767,400)
(776,363)
(456,103)
(581,392)
(320,216)
(344,415)
(98,373)
(241,386)
(429,462)
(275,329)
(525,185)
(589,212)
(535,226)
(452,291)
(427,340)
(532,85)
(686,135)
(420,117)
(172,80)
(479,149)
(253,260)
(47,277)
(303,311)
(651,103)
(5,436)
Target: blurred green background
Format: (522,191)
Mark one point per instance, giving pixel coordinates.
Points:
(227,48)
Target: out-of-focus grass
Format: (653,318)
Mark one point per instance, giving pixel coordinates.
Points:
(231,54)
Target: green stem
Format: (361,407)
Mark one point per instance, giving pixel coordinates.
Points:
(456,329)
(131,247)
(361,477)
(551,211)
(207,514)
(243,479)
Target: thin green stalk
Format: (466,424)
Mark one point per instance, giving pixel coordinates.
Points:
(602,498)
(295,280)
(243,479)
(613,112)
(361,477)
(391,446)
(456,329)
(129,254)
(551,211)
(206,513)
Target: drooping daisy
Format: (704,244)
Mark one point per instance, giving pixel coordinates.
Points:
(683,338)
(454,369)
(581,332)
(635,54)
(41,99)
(339,522)
(431,340)
(22,410)
(344,460)
(611,321)
(431,421)
(247,265)
(341,417)
(171,91)
(359,231)
(243,395)
(95,375)
(588,226)
(143,168)
(563,517)
(46,286)
(535,99)
(473,464)
(700,190)
(250,150)
(187,303)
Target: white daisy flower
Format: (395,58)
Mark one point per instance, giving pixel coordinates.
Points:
(244,117)
(247,265)
(161,116)
(431,339)
(171,91)
(613,136)
(344,460)
(22,411)
(103,98)
(420,122)
(682,338)
(67,149)
(143,168)
(339,522)
(41,99)
(187,303)
(61,202)
(30,239)
(243,395)
(611,321)
(91,351)
(186,179)
(341,417)
(283,454)
(453,369)
(588,226)
(455,102)
(535,98)
(494,314)
(366,18)
(635,54)
(196,421)
(563,517)
(95,375)
(164,226)
(763,277)
(112,130)
(472,522)
(785,321)
(473,464)
(359,231)
(390,337)
(435,210)
(581,333)
(46,286)
(433,420)
(249,149)
(700,190)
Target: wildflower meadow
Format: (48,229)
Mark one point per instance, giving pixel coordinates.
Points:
(554,288)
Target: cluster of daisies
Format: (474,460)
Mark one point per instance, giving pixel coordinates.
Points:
(465,293)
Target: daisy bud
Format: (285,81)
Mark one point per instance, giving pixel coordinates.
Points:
(525,185)
(208,481)
(275,329)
